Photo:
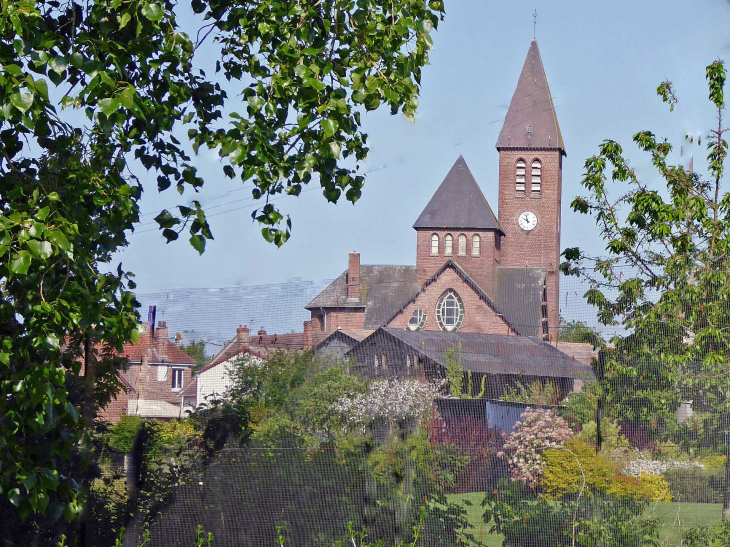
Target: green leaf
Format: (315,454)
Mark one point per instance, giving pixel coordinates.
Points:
(42,88)
(13,69)
(166,220)
(58,64)
(123,20)
(60,239)
(21,263)
(21,101)
(51,342)
(198,243)
(153,12)
(329,127)
(108,105)
(255,102)
(40,249)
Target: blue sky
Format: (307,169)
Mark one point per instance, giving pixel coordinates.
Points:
(603,60)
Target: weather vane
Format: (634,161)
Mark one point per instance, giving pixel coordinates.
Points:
(534,24)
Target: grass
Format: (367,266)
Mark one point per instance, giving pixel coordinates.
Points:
(673,517)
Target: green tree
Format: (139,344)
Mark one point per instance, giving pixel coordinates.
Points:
(580,331)
(666,278)
(196,350)
(69,196)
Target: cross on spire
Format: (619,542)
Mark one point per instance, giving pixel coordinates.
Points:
(534,24)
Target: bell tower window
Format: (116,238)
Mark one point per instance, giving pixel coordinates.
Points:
(520,177)
(536,176)
(448,245)
(462,245)
(434,245)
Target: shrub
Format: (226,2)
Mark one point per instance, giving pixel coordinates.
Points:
(538,430)
(594,519)
(124,432)
(704,536)
(696,485)
(610,434)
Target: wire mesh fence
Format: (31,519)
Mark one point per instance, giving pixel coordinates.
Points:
(399,436)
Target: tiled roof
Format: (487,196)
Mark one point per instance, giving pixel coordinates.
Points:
(531,106)
(383,290)
(158,350)
(231,350)
(491,353)
(458,203)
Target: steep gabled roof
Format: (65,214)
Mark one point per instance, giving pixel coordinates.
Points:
(531,106)
(458,203)
(382,290)
(470,282)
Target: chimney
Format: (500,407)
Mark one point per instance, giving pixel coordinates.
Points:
(308,342)
(353,277)
(161,332)
(178,338)
(242,335)
(261,332)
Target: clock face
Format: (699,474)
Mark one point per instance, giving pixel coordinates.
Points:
(527,221)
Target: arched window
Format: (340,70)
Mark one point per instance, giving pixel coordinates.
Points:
(536,177)
(475,244)
(462,245)
(449,311)
(520,176)
(448,245)
(417,321)
(434,244)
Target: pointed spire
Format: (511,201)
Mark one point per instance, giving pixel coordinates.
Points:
(531,121)
(458,203)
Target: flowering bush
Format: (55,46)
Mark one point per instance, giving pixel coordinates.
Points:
(537,431)
(392,400)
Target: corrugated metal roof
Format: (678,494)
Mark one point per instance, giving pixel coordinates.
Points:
(382,290)
(458,203)
(531,107)
(493,353)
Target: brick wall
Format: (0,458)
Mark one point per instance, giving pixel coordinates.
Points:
(541,246)
(343,318)
(480,267)
(478,316)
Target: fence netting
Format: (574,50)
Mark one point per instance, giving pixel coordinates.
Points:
(399,435)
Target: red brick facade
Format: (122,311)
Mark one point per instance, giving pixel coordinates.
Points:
(478,315)
(539,247)
(480,266)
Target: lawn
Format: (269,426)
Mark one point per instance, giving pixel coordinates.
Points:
(672,517)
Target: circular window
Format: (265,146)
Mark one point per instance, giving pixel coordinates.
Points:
(418,320)
(450,311)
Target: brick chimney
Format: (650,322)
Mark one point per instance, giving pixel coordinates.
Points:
(261,332)
(161,332)
(353,277)
(308,338)
(178,338)
(242,335)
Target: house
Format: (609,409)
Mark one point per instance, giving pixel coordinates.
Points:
(157,370)
(338,343)
(483,282)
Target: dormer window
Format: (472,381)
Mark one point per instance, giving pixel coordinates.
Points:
(448,245)
(520,176)
(475,245)
(462,245)
(434,245)
(536,178)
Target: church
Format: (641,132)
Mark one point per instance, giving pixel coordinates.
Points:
(485,286)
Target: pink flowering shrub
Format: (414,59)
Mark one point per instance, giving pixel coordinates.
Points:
(538,430)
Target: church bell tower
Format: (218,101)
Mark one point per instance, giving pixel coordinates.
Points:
(531,152)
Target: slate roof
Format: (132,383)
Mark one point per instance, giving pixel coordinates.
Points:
(493,353)
(532,105)
(458,203)
(469,280)
(518,295)
(382,288)
(351,335)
